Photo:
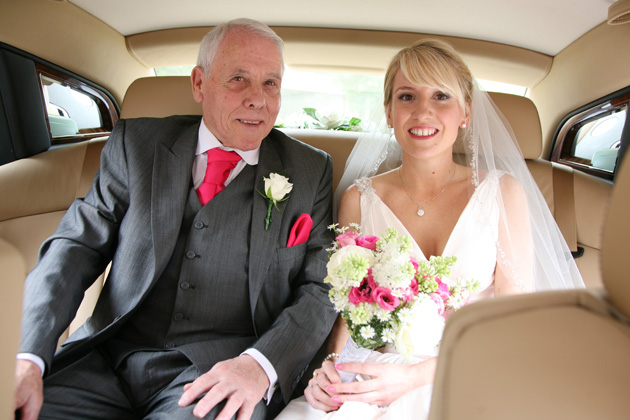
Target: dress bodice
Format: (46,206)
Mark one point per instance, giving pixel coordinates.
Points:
(473,239)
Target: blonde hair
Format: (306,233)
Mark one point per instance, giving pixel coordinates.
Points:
(434,63)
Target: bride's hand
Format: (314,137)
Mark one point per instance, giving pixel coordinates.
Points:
(387,382)
(315,392)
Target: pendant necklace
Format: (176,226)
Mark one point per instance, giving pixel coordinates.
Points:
(420,206)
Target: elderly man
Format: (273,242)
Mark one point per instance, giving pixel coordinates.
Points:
(211,308)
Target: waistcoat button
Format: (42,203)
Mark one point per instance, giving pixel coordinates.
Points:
(169,345)
(184,285)
(178,316)
(198,225)
(190,255)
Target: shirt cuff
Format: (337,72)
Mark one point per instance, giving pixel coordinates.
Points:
(268,368)
(33,358)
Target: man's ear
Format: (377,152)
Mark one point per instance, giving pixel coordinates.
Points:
(197,78)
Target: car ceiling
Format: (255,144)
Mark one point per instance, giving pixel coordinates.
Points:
(545,26)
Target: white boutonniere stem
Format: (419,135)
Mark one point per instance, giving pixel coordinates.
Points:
(276,190)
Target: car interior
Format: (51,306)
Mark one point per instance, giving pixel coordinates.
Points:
(563,86)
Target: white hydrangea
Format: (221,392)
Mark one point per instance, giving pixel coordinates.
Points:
(393,269)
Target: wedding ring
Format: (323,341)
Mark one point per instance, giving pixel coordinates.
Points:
(315,373)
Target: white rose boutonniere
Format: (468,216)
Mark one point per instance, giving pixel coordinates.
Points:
(276,188)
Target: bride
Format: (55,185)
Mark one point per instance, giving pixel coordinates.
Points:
(462,190)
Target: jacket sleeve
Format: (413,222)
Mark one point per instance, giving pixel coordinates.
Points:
(76,254)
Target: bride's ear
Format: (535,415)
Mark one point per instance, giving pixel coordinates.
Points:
(390,121)
(466,122)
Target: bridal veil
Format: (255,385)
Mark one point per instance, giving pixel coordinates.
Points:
(487,145)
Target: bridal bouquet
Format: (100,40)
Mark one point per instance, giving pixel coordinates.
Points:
(388,297)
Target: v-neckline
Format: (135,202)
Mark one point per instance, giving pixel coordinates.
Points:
(455,228)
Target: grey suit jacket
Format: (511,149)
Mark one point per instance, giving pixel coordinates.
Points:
(132,216)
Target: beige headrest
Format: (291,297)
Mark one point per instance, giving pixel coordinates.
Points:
(615,267)
(523,117)
(159,97)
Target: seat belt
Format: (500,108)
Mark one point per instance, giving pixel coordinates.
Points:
(564,204)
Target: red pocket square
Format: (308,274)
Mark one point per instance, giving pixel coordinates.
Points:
(300,230)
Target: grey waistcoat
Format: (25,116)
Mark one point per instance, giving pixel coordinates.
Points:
(201,300)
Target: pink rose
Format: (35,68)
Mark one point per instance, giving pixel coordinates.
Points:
(443,289)
(438,301)
(385,299)
(411,291)
(414,286)
(345,239)
(363,293)
(415,264)
(367,241)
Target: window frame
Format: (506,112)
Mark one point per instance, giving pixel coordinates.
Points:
(107,107)
(562,151)
(24,126)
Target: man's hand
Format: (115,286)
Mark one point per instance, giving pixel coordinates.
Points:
(29,389)
(241,381)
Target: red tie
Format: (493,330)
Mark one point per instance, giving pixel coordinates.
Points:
(220,163)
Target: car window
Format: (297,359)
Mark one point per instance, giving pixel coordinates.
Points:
(75,111)
(333,100)
(590,139)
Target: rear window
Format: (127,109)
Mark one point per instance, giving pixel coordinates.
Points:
(591,139)
(75,111)
(332,99)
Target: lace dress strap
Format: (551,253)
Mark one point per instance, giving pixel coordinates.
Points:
(364,185)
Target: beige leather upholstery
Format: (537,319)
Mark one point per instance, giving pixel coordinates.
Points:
(159,97)
(12,279)
(615,266)
(554,355)
(522,115)
(578,201)
(36,193)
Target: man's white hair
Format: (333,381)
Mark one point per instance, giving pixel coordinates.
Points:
(210,43)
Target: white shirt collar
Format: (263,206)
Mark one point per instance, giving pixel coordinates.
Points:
(208,141)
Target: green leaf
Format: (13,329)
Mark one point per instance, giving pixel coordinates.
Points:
(311,112)
(354,122)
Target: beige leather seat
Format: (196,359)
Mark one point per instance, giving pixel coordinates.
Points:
(36,193)
(578,201)
(555,355)
(12,280)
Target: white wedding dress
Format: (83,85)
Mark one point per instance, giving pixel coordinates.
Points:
(473,241)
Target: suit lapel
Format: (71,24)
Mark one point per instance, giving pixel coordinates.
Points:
(263,243)
(172,174)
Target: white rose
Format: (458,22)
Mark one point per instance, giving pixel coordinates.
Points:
(277,187)
(331,120)
(338,258)
(422,332)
